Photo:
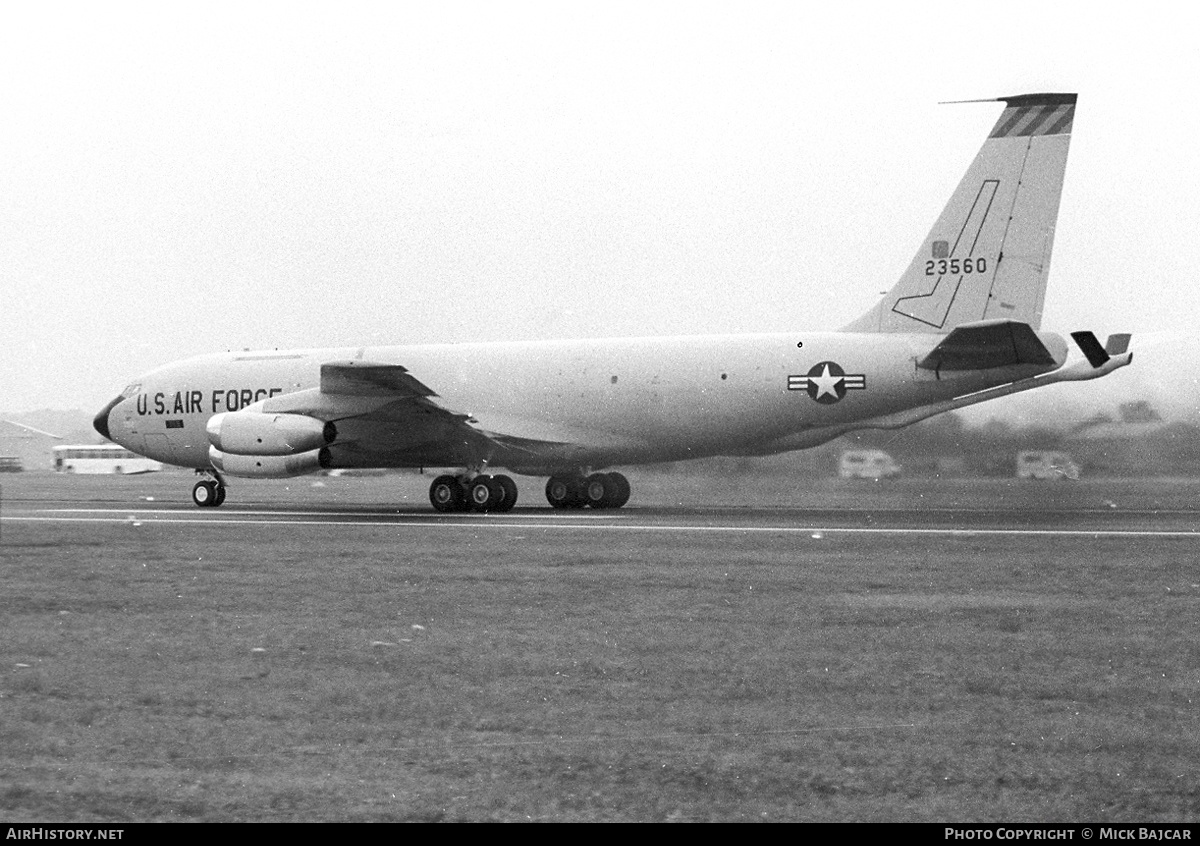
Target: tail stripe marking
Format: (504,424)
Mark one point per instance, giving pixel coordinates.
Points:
(1063,126)
(1024,121)
(1039,118)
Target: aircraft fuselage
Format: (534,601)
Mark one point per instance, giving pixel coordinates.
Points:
(959,327)
(590,403)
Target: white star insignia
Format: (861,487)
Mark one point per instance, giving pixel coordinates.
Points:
(826,383)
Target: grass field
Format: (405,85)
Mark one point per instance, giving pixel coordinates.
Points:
(392,672)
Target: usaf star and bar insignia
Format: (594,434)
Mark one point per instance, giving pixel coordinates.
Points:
(827,382)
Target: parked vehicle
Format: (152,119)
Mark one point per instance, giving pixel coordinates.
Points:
(867,464)
(1046,464)
(101,458)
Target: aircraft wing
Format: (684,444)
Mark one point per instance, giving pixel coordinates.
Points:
(407,395)
(358,389)
(383,412)
(364,378)
(987,344)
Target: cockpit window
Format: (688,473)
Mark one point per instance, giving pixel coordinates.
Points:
(132,390)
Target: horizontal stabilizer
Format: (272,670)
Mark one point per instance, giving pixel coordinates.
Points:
(1097,355)
(364,378)
(987,344)
(1117,344)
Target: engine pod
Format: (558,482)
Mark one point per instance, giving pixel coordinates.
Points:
(269,466)
(259,433)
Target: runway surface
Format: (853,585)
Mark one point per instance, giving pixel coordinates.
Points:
(1101,521)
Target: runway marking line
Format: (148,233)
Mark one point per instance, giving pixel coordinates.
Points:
(347,514)
(503,524)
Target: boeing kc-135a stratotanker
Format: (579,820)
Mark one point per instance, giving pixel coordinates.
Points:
(961,326)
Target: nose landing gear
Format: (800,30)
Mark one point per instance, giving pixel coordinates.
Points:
(209,493)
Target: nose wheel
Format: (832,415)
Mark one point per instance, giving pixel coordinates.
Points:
(208,494)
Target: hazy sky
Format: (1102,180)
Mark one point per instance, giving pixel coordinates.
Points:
(179,179)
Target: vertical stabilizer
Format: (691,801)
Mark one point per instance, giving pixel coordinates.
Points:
(988,255)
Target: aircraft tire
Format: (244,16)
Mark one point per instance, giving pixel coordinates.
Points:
(447,494)
(485,494)
(598,491)
(510,493)
(204,494)
(220,499)
(621,490)
(564,492)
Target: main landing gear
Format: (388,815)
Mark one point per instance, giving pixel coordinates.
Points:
(481,493)
(485,493)
(599,490)
(209,493)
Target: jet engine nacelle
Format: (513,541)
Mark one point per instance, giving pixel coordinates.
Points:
(259,433)
(269,466)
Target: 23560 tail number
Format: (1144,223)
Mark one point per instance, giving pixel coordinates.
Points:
(955,267)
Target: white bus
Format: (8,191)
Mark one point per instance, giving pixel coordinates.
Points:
(101,458)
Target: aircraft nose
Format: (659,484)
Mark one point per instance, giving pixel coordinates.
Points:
(100,423)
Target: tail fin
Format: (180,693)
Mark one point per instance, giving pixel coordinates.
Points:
(988,255)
